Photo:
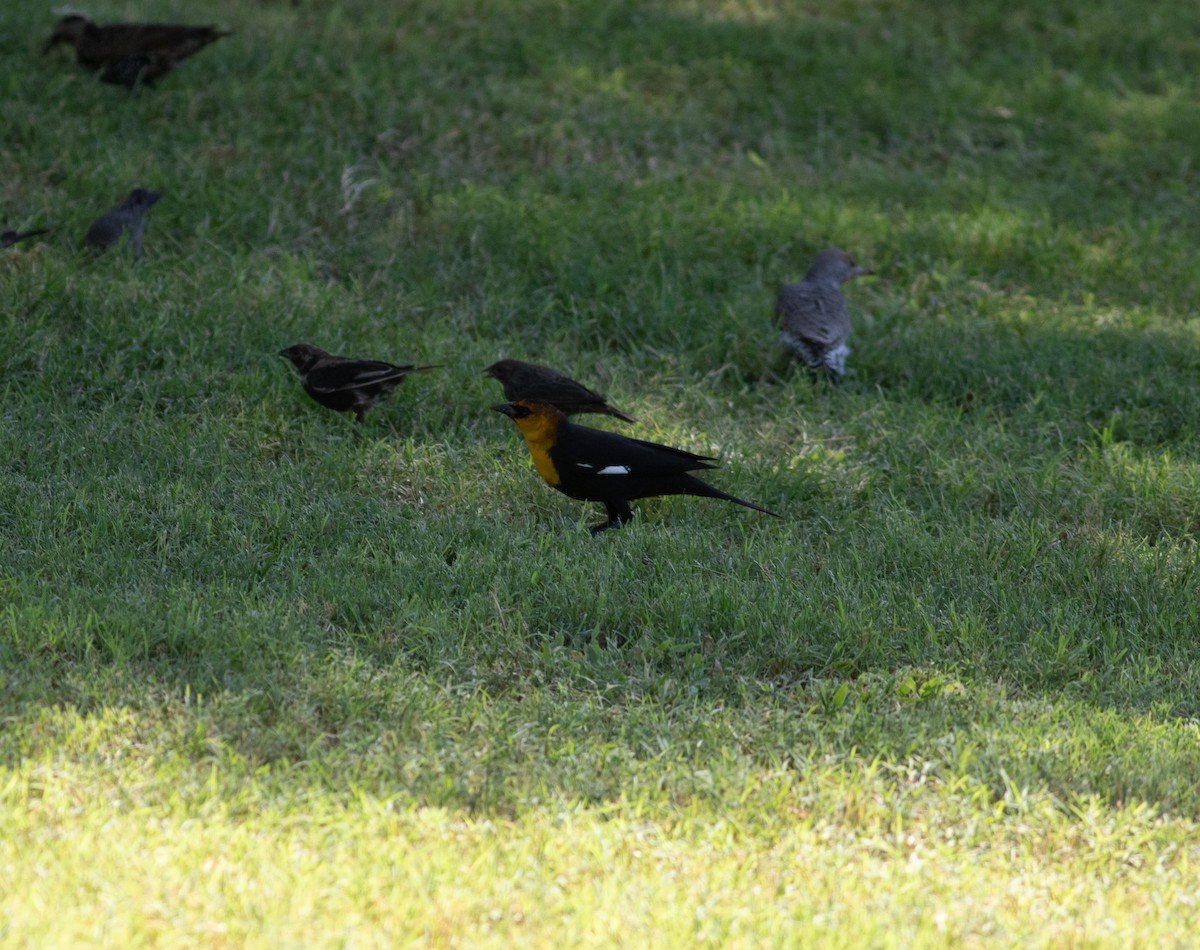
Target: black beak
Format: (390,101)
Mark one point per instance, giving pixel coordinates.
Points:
(507,408)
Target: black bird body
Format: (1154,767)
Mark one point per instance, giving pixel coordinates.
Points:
(9,238)
(106,230)
(344,384)
(537,383)
(128,53)
(593,465)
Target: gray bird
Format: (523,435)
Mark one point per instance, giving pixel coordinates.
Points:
(812,316)
(9,238)
(130,213)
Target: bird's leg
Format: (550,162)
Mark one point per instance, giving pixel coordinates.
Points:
(618,513)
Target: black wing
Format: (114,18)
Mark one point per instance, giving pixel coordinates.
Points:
(335,377)
(587,451)
(562,389)
(122,40)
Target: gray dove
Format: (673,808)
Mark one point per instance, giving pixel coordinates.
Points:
(812,316)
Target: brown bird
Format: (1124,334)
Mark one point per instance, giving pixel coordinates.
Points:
(9,238)
(812,316)
(538,383)
(131,213)
(343,384)
(128,53)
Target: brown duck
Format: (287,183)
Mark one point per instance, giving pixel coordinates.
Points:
(126,54)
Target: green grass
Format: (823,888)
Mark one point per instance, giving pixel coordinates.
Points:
(266,683)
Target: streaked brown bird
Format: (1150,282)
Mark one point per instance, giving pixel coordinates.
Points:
(126,54)
(345,384)
(594,465)
(812,316)
(539,383)
(9,238)
(130,214)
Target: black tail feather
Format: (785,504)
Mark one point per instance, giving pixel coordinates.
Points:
(693,486)
(617,413)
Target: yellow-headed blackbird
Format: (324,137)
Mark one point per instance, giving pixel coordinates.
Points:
(812,316)
(130,213)
(128,53)
(343,384)
(9,238)
(542,384)
(594,465)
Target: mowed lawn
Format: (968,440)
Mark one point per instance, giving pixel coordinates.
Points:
(267,681)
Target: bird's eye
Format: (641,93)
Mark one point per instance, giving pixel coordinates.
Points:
(522,412)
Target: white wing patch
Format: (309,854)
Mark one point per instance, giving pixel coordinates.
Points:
(614,470)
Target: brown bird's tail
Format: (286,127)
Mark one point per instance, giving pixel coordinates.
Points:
(613,411)
(8,238)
